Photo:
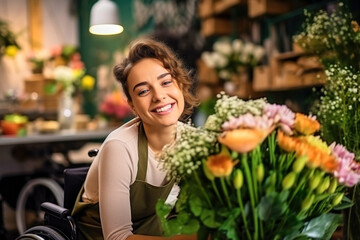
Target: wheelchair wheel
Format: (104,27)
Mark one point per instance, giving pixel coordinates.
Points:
(41,233)
(34,193)
(29,236)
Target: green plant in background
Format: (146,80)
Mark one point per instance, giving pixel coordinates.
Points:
(335,38)
(339,114)
(257,171)
(8,43)
(339,107)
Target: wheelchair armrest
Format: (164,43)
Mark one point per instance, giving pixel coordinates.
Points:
(55,210)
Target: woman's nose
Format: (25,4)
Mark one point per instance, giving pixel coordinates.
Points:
(159,94)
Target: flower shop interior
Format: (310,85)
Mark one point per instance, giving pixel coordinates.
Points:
(59,98)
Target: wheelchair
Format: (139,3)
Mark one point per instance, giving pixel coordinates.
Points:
(58,222)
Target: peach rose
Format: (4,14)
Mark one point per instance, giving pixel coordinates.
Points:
(220,165)
(242,140)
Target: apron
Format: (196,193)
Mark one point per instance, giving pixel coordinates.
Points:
(143,198)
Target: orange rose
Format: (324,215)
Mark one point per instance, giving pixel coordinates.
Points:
(220,165)
(286,143)
(242,140)
(305,124)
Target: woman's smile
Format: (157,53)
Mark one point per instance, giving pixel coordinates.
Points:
(164,109)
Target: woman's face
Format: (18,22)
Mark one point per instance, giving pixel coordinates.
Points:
(155,96)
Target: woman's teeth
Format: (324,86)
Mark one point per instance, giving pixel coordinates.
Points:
(163,109)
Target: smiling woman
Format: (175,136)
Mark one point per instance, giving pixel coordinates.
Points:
(125,180)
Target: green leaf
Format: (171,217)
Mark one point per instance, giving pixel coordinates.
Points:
(322,227)
(208,218)
(203,233)
(292,225)
(195,204)
(50,88)
(229,226)
(183,217)
(271,206)
(162,209)
(284,195)
(174,228)
(296,236)
(191,227)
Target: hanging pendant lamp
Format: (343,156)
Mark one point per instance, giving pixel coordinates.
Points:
(104,18)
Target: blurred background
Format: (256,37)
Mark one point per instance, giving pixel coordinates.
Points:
(59,99)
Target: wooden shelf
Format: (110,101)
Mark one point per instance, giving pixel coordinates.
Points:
(224,5)
(258,8)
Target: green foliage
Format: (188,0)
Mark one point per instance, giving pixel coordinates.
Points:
(7,37)
(333,36)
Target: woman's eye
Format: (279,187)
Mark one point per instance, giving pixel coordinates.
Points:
(143,92)
(167,82)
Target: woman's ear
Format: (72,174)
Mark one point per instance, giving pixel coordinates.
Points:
(132,106)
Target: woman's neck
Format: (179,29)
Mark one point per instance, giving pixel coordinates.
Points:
(158,138)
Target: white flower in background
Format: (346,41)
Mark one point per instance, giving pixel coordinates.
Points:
(230,57)
(237,45)
(64,74)
(208,59)
(259,53)
(223,47)
(220,60)
(224,74)
(248,48)
(68,77)
(244,58)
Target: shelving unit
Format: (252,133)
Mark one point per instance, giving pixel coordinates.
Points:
(284,71)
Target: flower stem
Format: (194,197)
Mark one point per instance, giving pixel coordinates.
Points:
(241,205)
(217,191)
(271,142)
(223,185)
(254,164)
(202,189)
(251,193)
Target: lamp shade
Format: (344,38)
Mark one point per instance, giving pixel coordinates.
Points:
(104,18)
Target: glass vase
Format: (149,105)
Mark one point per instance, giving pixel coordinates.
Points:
(66,111)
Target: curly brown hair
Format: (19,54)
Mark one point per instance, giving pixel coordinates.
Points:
(150,48)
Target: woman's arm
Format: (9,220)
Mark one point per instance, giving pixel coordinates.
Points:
(115,176)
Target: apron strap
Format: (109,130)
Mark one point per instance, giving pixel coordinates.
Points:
(142,153)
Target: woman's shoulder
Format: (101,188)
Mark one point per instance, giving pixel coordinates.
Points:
(126,132)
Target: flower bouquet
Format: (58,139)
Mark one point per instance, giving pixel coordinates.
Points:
(256,171)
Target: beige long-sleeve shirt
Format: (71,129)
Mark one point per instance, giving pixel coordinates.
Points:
(112,172)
